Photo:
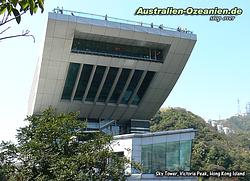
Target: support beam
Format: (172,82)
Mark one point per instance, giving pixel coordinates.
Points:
(137,87)
(126,86)
(114,85)
(76,83)
(89,83)
(101,85)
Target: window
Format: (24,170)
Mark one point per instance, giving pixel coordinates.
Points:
(173,155)
(120,85)
(120,154)
(117,50)
(108,84)
(143,88)
(146,160)
(185,154)
(170,156)
(70,80)
(158,54)
(83,81)
(131,87)
(95,83)
(84,76)
(158,157)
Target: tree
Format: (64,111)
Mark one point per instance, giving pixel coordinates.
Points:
(13,10)
(54,147)
(211,150)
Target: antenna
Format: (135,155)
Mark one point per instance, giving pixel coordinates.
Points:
(248,108)
(238,112)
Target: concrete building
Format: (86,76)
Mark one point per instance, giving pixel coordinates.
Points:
(220,128)
(108,70)
(227,130)
(214,123)
(116,74)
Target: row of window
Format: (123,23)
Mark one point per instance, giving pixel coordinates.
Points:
(106,90)
(169,156)
(116,50)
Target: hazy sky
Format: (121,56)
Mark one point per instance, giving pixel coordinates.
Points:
(216,75)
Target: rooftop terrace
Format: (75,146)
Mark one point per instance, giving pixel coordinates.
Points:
(118,20)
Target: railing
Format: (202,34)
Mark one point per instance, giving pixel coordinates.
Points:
(115,55)
(119,20)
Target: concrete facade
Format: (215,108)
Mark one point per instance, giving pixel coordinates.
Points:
(53,65)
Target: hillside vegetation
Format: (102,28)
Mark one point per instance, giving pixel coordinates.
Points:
(241,127)
(211,150)
(238,123)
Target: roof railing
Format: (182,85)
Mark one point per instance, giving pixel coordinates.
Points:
(119,20)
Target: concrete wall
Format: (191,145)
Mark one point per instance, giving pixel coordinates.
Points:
(52,69)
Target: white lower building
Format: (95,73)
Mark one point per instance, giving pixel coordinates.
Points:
(158,151)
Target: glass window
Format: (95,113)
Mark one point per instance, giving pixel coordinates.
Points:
(116,50)
(170,156)
(146,160)
(159,54)
(185,154)
(173,156)
(132,85)
(152,51)
(95,83)
(70,80)
(83,81)
(158,157)
(143,88)
(108,84)
(120,85)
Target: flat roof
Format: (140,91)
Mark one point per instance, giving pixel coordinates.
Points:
(118,25)
(160,133)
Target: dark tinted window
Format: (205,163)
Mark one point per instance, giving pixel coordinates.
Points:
(83,81)
(70,80)
(132,85)
(117,50)
(159,54)
(143,88)
(120,85)
(95,83)
(108,84)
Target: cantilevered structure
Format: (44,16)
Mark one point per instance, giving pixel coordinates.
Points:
(117,75)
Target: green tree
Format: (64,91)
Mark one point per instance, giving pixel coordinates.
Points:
(211,150)
(54,147)
(13,10)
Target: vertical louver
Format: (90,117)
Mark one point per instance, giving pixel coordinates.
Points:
(110,85)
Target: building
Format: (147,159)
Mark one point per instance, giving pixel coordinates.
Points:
(116,74)
(158,151)
(214,123)
(227,130)
(220,128)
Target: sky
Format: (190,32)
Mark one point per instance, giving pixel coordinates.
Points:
(215,77)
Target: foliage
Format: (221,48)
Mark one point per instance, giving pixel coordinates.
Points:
(238,123)
(211,150)
(17,7)
(241,127)
(55,147)
(14,9)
